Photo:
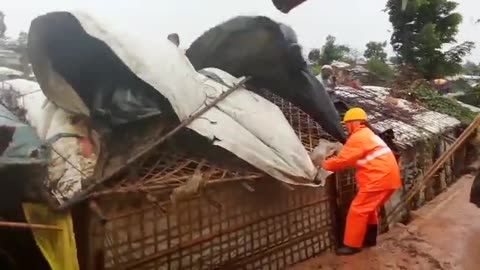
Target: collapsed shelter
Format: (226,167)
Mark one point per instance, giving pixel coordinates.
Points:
(242,218)
(186,206)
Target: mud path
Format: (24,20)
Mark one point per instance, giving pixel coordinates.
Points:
(445,234)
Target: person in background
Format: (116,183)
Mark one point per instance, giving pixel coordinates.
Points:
(328,77)
(174,38)
(377,175)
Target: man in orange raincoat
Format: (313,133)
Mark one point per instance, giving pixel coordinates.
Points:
(378,176)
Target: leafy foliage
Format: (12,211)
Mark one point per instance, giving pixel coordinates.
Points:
(316,69)
(332,52)
(380,69)
(314,55)
(436,102)
(376,50)
(420,32)
(395,60)
(455,55)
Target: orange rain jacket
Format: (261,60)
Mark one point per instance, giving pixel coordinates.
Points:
(377,168)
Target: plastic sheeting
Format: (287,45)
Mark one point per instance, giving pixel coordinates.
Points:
(58,247)
(18,142)
(246,124)
(66,143)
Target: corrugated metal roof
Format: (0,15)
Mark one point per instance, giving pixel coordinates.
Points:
(409,121)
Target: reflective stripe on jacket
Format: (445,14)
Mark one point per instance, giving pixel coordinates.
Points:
(377,168)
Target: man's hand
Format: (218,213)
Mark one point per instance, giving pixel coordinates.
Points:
(324,150)
(333,150)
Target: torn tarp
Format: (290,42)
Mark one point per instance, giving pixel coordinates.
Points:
(66,142)
(244,123)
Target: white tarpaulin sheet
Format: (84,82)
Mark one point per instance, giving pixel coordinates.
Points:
(69,162)
(246,124)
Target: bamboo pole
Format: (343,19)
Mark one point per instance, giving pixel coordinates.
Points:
(85,193)
(435,167)
(22,225)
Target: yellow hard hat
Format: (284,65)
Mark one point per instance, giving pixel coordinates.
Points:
(355,114)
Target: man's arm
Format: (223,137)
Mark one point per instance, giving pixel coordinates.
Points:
(348,156)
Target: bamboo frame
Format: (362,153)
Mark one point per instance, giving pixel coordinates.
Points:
(217,229)
(29,226)
(224,227)
(148,150)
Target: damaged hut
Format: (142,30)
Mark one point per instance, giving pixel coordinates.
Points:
(129,191)
(420,135)
(235,188)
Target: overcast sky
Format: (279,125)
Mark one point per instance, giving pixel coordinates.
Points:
(353,22)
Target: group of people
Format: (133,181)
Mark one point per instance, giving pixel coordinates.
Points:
(377,172)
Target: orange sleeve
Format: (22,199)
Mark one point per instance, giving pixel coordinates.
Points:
(352,151)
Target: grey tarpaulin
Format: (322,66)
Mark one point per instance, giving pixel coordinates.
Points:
(242,123)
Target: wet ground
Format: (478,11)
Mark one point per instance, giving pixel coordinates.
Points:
(444,234)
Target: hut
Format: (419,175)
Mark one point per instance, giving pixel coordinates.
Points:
(239,218)
(243,219)
(421,135)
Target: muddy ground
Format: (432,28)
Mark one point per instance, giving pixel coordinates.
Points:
(444,234)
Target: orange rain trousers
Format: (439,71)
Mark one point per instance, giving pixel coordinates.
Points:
(363,211)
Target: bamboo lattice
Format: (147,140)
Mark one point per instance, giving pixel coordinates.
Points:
(253,225)
(237,224)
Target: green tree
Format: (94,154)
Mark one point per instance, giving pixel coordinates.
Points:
(332,52)
(420,32)
(376,50)
(395,60)
(380,69)
(314,55)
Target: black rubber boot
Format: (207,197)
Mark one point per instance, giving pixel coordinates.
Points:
(346,251)
(371,236)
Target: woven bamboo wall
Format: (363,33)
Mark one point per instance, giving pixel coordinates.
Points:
(242,219)
(231,226)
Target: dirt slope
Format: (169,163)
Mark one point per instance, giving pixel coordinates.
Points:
(445,234)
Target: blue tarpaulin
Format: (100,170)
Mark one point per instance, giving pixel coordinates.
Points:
(18,142)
